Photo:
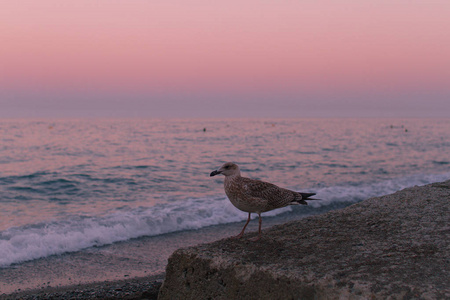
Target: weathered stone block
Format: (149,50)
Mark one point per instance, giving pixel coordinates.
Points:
(392,247)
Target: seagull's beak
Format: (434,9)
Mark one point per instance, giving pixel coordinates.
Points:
(214,173)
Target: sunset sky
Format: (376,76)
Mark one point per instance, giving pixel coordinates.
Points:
(173,58)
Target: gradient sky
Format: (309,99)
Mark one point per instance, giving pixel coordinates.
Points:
(173,58)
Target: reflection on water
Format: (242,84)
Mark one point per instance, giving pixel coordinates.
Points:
(54,169)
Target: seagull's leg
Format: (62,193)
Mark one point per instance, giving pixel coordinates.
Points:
(243,229)
(259,231)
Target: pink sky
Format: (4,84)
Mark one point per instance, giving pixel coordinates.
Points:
(302,53)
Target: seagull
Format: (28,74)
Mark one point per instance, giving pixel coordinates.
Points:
(255,196)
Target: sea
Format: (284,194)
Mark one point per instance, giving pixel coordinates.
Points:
(98,196)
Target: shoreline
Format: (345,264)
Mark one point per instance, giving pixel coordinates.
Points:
(147,286)
(140,258)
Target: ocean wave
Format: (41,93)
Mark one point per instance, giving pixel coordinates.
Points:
(19,244)
(353,192)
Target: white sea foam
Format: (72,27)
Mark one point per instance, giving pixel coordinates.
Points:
(354,193)
(19,244)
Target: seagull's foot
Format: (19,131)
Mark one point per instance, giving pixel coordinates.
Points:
(236,237)
(255,239)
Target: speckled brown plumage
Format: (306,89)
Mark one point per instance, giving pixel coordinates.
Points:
(255,196)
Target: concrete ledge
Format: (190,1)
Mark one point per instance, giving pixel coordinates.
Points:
(392,247)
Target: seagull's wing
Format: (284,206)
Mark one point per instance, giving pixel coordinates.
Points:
(275,196)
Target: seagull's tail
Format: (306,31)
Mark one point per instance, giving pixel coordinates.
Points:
(305,196)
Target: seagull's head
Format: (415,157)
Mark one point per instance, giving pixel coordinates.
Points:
(227,169)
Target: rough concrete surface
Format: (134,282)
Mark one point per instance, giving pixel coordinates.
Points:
(391,247)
